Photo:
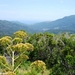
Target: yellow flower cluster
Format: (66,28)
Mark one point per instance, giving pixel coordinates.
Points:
(8,37)
(4,41)
(22,47)
(17,40)
(2,60)
(22,58)
(30,46)
(10,73)
(20,34)
(39,65)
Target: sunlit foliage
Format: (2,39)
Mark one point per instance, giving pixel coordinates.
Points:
(38,65)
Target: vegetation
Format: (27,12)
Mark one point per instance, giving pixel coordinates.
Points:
(9,27)
(66,24)
(38,65)
(16,50)
(37,54)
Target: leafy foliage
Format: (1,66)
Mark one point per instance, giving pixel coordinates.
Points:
(16,50)
(44,50)
(8,27)
(57,51)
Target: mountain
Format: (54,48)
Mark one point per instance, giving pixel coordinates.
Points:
(64,24)
(8,27)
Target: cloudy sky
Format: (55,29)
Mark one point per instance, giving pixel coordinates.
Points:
(36,10)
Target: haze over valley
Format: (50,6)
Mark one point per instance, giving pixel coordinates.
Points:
(65,24)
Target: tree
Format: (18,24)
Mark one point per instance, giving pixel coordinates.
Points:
(16,50)
(44,45)
(65,60)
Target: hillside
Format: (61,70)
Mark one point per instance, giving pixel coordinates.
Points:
(7,27)
(64,24)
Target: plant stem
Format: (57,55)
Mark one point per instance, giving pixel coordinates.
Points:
(12,60)
(17,67)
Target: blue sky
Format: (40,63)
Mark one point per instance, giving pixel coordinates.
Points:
(36,10)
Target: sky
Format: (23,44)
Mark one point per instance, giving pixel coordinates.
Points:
(36,10)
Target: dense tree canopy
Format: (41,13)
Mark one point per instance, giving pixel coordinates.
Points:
(56,51)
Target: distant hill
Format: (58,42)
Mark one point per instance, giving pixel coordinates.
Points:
(61,25)
(66,24)
(8,27)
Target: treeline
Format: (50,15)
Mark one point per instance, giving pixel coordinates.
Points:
(57,51)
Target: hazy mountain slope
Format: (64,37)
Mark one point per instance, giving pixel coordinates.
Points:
(67,23)
(7,27)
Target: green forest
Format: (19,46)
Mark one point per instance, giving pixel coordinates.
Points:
(37,54)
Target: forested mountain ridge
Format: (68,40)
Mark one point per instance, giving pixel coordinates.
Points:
(64,24)
(8,27)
